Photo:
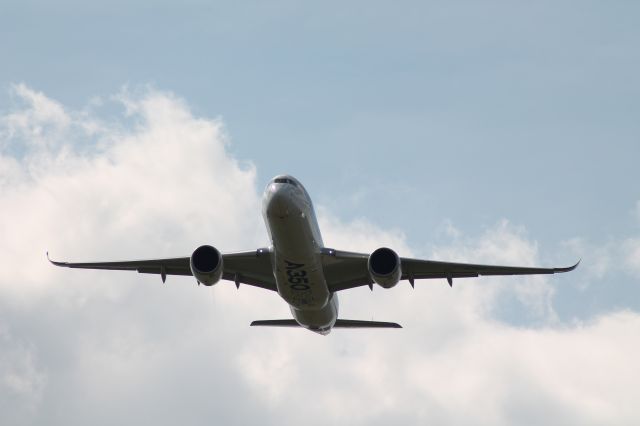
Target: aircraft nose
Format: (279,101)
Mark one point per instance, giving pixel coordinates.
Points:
(278,203)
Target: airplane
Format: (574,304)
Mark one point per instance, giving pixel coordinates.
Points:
(305,273)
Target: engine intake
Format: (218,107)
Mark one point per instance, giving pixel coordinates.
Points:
(384,267)
(206,264)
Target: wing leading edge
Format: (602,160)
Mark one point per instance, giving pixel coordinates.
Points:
(252,267)
(345,270)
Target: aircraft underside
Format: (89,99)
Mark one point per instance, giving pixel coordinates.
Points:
(301,270)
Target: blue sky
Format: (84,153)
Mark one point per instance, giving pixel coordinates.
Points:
(492,105)
(501,132)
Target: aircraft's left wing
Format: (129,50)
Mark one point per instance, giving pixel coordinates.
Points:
(344,270)
(251,267)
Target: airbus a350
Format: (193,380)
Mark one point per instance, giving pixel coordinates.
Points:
(305,273)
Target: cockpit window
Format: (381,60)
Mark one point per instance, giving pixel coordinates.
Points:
(285,180)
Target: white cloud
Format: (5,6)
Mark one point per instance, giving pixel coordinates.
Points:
(632,255)
(153,189)
(483,373)
(21,381)
(597,259)
(359,235)
(42,119)
(448,229)
(612,256)
(601,260)
(76,343)
(503,244)
(632,249)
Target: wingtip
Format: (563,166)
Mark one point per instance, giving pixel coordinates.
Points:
(53,262)
(569,268)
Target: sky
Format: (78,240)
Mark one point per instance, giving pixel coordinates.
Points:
(488,132)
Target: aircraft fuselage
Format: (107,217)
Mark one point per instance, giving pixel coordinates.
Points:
(295,236)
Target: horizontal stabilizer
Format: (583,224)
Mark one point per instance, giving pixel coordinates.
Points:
(341,323)
(345,323)
(276,323)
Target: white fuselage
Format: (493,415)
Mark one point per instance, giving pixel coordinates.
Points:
(297,263)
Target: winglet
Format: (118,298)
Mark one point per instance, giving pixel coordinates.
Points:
(568,268)
(53,262)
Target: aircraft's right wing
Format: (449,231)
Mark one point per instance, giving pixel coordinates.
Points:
(344,270)
(250,267)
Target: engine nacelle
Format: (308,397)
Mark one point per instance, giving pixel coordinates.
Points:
(384,267)
(206,265)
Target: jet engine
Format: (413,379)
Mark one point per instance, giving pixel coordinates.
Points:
(206,265)
(384,267)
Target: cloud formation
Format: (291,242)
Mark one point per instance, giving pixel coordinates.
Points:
(102,348)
